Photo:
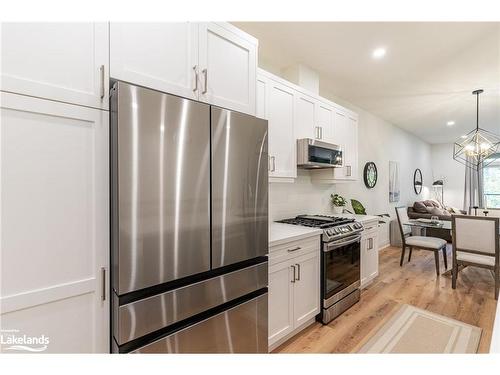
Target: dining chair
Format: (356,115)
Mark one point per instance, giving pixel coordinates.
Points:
(476,243)
(420,242)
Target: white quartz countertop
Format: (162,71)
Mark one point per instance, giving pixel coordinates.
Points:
(280,233)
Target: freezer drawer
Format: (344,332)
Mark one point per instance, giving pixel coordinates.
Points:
(139,318)
(161,187)
(241,329)
(239,187)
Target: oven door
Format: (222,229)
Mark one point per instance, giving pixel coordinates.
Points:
(341,268)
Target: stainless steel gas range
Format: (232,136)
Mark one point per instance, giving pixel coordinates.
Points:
(340,261)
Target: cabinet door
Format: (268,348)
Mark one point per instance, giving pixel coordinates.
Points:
(341,138)
(306,294)
(325,122)
(280,301)
(67,62)
(305,124)
(55,223)
(228,68)
(369,257)
(162,56)
(280,112)
(352,148)
(261,100)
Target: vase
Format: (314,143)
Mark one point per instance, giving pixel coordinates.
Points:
(338,210)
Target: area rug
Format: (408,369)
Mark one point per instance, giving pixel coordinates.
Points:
(413,330)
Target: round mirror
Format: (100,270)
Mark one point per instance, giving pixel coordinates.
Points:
(417,181)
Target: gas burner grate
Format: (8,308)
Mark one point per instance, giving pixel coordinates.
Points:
(317,221)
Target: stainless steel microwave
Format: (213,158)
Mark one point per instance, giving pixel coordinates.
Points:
(314,154)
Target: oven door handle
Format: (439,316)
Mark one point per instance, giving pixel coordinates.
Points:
(336,244)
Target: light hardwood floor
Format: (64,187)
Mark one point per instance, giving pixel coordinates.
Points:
(416,284)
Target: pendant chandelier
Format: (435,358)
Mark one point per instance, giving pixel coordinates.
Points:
(474,149)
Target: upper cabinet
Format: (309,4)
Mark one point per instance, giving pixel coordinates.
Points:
(293,113)
(276,104)
(305,117)
(346,136)
(66,62)
(228,67)
(212,62)
(163,56)
(325,122)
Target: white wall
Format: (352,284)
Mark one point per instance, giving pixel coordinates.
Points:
(451,171)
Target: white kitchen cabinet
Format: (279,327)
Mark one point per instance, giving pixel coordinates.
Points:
(261,99)
(55,223)
(67,62)
(228,67)
(280,301)
(306,288)
(294,282)
(305,117)
(278,106)
(347,126)
(325,122)
(369,252)
(346,136)
(162,56)
(212,62)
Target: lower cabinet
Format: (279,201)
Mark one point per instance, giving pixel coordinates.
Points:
(54,273)
(294,289)
(369,253)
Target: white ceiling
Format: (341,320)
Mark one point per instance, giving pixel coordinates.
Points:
(425,79)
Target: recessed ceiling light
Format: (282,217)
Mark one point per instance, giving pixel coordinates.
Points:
(378,53)
(450,123)
(463,136)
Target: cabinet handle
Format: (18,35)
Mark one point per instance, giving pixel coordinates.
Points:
(317,132)
(320,132)
(293,278)
(273,163)
(370,243)
(101,71)
(205,80)
(349,171)
(298,272)
(294,249)
(195,70)
(103,283)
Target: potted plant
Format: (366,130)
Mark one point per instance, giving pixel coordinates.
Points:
(338,203)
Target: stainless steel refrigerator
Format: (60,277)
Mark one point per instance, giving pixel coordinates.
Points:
(189,226)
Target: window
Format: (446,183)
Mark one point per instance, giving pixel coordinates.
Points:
(491,180)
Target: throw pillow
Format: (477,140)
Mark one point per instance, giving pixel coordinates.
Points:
(419,207)
(432,203)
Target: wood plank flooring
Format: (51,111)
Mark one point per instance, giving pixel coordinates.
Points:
(416,284)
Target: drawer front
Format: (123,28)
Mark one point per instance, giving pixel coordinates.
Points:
(241,329)
(292,249)
(148,315)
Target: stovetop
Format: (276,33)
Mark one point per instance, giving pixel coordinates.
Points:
(334,227)
(317,221)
